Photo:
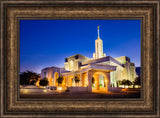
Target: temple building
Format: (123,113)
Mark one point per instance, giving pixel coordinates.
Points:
(101,73)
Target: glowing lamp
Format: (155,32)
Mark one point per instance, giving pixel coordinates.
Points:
(59,88)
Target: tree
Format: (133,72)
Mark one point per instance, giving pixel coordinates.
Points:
(126,82)
(118,83)
(76,79)
(28,78)
(137,81)
(60,80)
(33,82)
(43,82)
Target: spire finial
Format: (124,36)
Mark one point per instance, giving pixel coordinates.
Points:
(98,31)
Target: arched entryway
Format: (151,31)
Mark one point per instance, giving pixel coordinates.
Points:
(56,75)
(100,82)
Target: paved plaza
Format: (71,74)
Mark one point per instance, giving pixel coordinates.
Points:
(46,93)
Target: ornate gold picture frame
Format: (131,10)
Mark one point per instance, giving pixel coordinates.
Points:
(13,11)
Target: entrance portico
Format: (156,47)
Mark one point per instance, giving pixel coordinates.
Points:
(87,73)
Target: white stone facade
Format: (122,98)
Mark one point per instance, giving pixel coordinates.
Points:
(114,69)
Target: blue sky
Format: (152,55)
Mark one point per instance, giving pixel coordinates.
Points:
(45,43)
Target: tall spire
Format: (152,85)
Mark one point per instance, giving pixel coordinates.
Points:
(98,47)
(98,32)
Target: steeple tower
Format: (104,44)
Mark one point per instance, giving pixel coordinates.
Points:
(98,47)
(98,32)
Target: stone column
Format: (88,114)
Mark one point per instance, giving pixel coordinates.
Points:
(97,82)
(108,81)
(69,79)
(64,81)
(81,79)
(54,84)
(89,77)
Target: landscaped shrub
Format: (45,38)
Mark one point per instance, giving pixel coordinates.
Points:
(93,85)
(43,82)
(100,85)
(60,80)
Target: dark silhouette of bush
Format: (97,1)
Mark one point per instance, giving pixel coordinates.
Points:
(33,82)
(76,79)
(60,80)
(43,82)
(126,82)
(137,81)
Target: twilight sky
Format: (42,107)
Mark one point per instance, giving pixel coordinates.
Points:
(46,43)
